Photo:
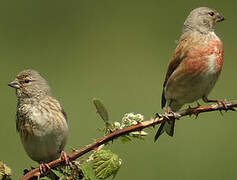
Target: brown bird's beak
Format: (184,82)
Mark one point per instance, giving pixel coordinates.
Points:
(219,18)
(14,84)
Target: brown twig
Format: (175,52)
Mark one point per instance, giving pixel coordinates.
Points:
(138,127)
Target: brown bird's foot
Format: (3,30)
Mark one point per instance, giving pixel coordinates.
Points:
(220,103)
(43,168)
(64,157)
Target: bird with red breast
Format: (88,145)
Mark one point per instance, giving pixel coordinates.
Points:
(195,65)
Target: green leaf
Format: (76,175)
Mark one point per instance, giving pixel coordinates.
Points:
(57,173)
(87,171)
(52,174)
(45,178)
(105,164)
(101,110)
(125,139)
(62,173)
(63,178)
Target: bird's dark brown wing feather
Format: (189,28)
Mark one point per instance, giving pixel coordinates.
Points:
(64,113)
(17,121)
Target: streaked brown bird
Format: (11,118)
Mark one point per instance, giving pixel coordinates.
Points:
(40,119)
(195,65)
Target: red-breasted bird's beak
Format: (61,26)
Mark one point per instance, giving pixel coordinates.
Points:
(219,18)
(14,84)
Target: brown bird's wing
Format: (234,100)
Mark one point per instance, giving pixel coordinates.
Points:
(18,121)
(64,113)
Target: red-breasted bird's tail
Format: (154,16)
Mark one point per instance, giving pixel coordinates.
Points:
(168,126)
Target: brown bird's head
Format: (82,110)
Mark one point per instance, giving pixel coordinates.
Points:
(202,19)
(29,83)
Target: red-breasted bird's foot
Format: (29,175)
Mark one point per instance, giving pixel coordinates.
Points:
(43,168)
(169,113)
(220,103)
(157,115)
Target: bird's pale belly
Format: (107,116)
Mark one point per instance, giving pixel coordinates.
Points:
(44,141)
(42,148)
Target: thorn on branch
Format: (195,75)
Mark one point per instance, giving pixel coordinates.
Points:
(73,150)
(139,122)
(198,104)
(157,115)
(196,113)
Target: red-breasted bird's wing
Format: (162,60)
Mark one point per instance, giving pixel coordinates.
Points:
(178,56)
(175,61)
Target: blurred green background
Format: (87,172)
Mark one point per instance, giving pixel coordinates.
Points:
(117,51)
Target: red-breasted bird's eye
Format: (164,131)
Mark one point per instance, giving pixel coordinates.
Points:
(211,13)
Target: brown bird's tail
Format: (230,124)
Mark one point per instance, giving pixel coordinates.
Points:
(168,126)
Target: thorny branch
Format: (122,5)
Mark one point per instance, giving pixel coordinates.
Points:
(138,127)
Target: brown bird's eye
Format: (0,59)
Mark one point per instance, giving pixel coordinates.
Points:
(26,81)
(211,13)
